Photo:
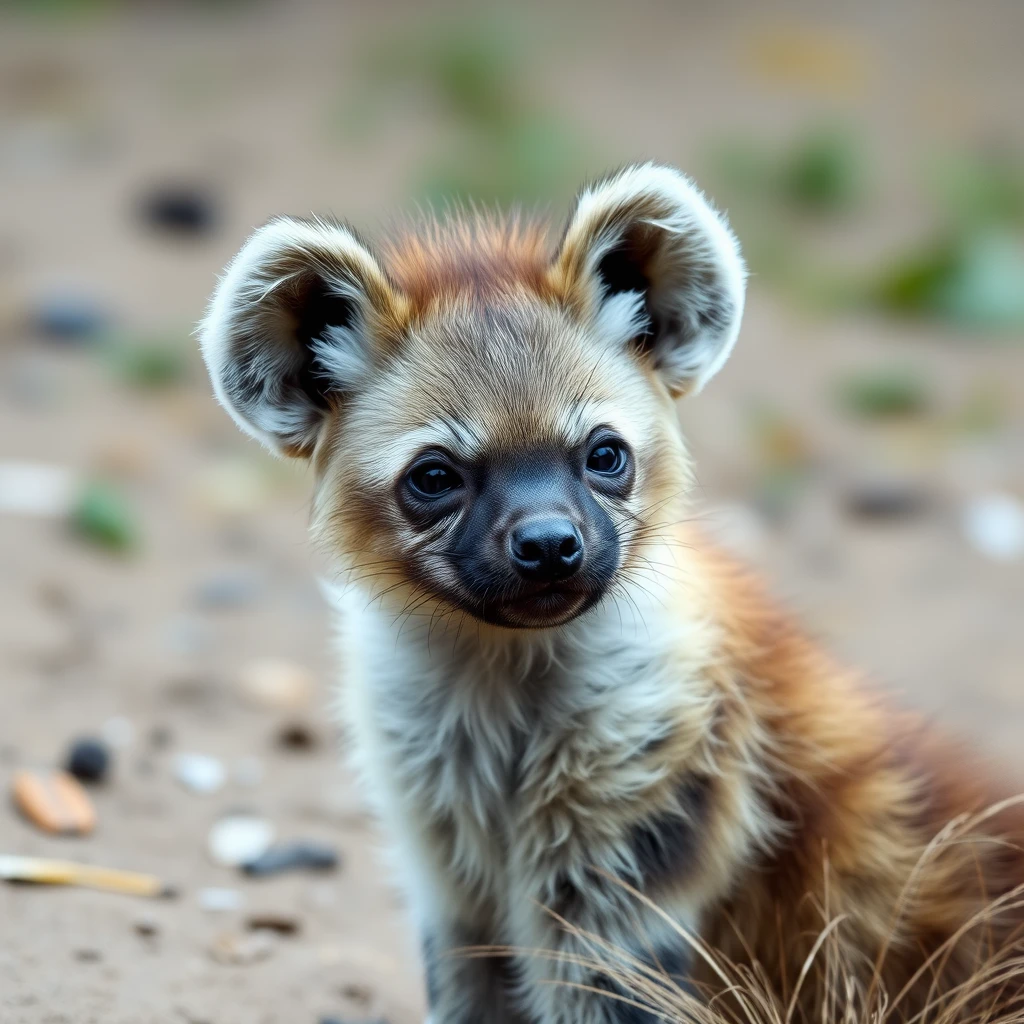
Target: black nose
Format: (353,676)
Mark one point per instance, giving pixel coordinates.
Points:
(545,550)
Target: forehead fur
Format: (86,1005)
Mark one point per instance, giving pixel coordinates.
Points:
(482,376)
(472,258)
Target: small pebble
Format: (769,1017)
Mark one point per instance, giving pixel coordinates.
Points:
(54,801)
(160,737)
(238,839)
(88,956)
(199,772)
(297,736)
(296,856)
(339,1020)
(994,526)
(885,500)
(88,760)
(282,924)
(147,927)
(37,489)
(277,684)
(356,993)
(228,591)
(220,901)
(68,317)
(240,950)
(183,209)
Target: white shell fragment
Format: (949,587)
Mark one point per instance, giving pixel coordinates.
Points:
(199,772)
(994,526)
(239,838)
(221,901)
(276,684)
(37,489)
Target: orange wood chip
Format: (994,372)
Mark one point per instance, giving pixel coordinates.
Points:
(55,801)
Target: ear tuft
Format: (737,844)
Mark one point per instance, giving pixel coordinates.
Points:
(647,232)
(291,328)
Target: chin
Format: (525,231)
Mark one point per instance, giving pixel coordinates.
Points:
(544,610)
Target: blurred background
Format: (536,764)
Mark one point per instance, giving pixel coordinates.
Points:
(865,446)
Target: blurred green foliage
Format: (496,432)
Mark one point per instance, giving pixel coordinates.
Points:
(974,278)
(102,517)
(984,410)
(884,393)
(151,364)
(822,171)
(57,10)
(969,271)
(982,188)
(496,141)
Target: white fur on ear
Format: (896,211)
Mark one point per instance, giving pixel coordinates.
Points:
(649,233)
(287,326)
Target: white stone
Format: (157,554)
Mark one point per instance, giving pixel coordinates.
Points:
(219,901)
(37,489)
(239,838)
(277,684)
(994,526)
(199,772)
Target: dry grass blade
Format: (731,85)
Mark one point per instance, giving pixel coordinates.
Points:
(852,990)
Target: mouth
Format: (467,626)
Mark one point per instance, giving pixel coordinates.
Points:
(550,605)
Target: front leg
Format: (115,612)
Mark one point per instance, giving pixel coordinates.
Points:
(585,943)
(463,985)
(576,908)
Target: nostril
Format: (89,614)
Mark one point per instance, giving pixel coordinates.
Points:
(529,551)
(569,546)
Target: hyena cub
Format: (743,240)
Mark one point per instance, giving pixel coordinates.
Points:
(558,693)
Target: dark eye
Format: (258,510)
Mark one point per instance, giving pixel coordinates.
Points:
(432,479)
(607,458)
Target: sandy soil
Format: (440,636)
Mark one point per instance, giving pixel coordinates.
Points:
(86,636)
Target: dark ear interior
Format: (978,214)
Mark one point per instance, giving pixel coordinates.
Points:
(318,309)
(625,268)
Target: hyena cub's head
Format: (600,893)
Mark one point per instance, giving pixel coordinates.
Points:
(491,422)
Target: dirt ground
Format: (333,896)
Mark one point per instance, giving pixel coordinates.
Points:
(92,112)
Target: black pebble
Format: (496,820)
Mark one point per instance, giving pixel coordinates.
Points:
(69,318)
(296,736)
(886,501)
(180,209)
(88,760)
(295,856)
(339,1020)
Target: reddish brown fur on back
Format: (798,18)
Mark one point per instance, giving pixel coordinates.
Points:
(863,788)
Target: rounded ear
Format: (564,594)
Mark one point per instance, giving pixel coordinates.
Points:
(647,260)
(293,325)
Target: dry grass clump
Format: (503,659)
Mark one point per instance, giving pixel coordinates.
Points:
(836,983)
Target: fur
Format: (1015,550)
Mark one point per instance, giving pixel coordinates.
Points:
(681,739)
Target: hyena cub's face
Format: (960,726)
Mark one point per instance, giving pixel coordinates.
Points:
(491,422)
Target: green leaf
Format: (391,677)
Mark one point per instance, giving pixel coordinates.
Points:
(103,518)
(150,365)
(884,393)
(824,173)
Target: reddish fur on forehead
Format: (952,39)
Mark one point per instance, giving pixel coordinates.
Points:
(480,258)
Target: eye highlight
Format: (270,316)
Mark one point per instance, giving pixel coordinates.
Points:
(432,479)
(608,458)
